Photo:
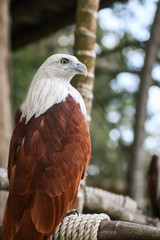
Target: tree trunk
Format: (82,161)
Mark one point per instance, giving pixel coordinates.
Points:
(5,107)
(137,164)
(85,37)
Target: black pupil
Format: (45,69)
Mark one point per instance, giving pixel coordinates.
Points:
(64,61)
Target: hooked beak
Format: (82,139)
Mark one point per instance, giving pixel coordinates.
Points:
(80,68)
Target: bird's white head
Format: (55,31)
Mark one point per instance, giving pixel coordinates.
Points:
(51,84)
(63,66)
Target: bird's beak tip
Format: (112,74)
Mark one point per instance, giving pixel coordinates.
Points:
(81,69)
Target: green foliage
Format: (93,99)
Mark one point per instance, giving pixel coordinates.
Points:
(25,62)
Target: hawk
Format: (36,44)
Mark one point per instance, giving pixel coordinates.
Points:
(49,152)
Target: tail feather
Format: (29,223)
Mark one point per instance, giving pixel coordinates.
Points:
(26,231)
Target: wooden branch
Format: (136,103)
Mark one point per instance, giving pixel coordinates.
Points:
(116,230)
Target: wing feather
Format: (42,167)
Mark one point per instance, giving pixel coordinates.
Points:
(48,158)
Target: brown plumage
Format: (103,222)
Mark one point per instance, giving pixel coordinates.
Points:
(49,153)
(48,158)
(18,116)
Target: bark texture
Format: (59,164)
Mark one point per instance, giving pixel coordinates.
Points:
(137,164)
(5,107)
(116,230)
(85,38)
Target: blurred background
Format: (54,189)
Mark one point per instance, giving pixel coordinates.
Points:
(124,29)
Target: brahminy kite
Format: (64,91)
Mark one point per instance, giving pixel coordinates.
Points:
(49,152)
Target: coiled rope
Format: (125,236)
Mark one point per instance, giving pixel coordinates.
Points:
(79,227)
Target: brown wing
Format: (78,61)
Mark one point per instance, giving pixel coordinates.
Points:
(48,158)
(18,116)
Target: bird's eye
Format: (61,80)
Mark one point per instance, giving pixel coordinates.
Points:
(64,60)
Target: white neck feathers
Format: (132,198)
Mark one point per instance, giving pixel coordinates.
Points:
(45,91)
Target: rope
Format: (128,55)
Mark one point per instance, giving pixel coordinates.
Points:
(120,200)
(82,227)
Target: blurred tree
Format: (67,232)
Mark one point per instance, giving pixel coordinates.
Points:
(112,114)
(5,108)
(5,104)
(137,165)
(85,38)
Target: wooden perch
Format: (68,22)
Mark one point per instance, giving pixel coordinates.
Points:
(117,230)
